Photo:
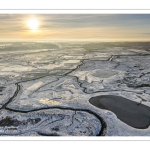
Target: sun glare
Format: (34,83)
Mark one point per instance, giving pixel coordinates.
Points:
(33,24)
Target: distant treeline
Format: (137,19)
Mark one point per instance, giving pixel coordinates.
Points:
(28,46)
(102,45)
(91,46)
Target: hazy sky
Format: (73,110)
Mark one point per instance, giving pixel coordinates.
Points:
(110,27)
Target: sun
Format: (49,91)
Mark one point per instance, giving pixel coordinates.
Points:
(33,24)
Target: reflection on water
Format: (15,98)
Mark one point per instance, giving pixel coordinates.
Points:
(48,101)
(72,61)
(17,68)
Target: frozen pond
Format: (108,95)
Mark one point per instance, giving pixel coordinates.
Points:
(132,113)
(104,73)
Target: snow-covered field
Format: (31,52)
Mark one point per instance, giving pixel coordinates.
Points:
(47,91)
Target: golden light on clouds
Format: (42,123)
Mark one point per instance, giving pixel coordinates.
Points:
(112,27)
(33,24)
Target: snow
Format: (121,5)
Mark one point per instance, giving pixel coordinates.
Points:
(49,122)
(68,78)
